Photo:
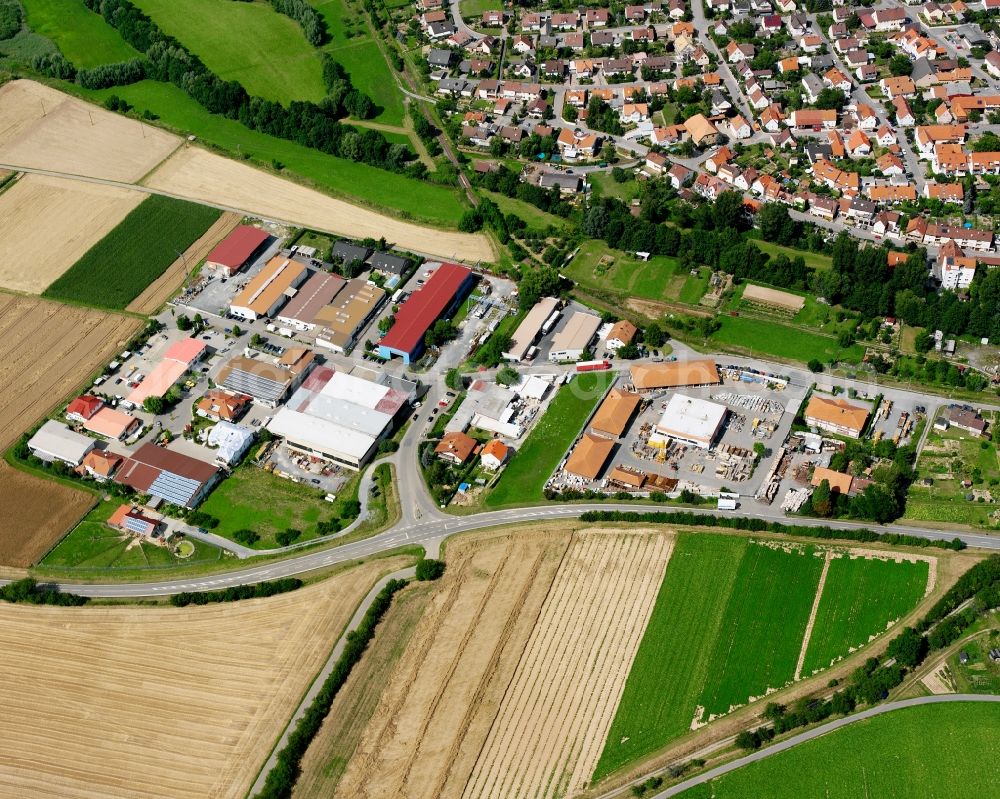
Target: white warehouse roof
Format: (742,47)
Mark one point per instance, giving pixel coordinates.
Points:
(691,419)
(55,441)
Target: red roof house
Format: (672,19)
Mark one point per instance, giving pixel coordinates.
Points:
(83,407)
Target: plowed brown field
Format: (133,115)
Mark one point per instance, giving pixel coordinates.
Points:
(161,702)
(49,223)
(511,680)
(43,128)
(48,350)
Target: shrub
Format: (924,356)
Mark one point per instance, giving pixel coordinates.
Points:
(246,537)
(429,569)
(286,537)
(237,593)
(28,591)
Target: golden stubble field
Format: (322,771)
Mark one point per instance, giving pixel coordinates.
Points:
(48,350)
(510,681)
(49,223)
(161,702)
(43,128)
(196,174)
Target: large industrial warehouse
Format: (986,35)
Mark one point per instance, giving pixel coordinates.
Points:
(690,420)
(679,374)
(338,416)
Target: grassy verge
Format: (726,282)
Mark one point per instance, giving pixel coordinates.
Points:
(524,478)
(134,253)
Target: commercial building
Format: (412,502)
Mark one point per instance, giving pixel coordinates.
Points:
(678,374)
(112,424)
(236,250)
(56,442)
(269,289)
(490,407)
(436,299)
(538,321)
(615,413)
(339,417)
(177,360)
(167,475)
(836,416)
(341,322)
(575,338)
(589,456)
(268,382)
(316,293)
(690,420)
(231,441)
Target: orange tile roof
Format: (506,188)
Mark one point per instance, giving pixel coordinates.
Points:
(675,374)
(589,456)
(836,412)
(838,480)
(615,412)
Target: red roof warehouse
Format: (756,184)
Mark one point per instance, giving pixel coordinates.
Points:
(232,253)
(438,297)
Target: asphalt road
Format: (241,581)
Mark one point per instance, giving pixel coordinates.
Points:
(817,732)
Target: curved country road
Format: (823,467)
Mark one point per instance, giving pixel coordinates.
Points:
(817,732)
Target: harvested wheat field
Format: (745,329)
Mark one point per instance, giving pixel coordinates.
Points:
(49,223)
(514,672)
(557,711)
(42,128)
(167,284)
(48,350)
(161,702)
(196,174)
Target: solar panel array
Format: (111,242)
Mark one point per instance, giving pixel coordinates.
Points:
(174,488)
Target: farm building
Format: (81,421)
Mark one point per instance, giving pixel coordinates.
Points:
(838,481)
(575,338)
(589,456)
(650,377)
(314,295)
(455,447)
(112,424)
(836,416)
(772,298)
(533,326)
(268,382)
(690,420)
(339,417)
(231,441)
(269,289)
(236,250)
(176,361)
(615,413)
(56,442)
(341,322)
(167,475)
(436,299)
(131,519)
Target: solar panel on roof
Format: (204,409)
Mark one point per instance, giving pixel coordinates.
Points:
(136,525)
(174,488)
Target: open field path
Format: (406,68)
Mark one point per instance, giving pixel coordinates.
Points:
(812,616)
(818,732)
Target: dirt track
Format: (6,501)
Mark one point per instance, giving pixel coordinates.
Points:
(557,711)
(167,284)
(49,223)
(48,350)
(160,702)
(196,174)
(44,128)
(437,709)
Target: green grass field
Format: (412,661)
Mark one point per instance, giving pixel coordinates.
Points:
(81,35)
(352,45)
(694,287)
(247,42)
(472,10)
(625,274)
(535,217)
(94,545)
(673,661)
(763,627)
(134,253)
(767,337)
(414,199)
(814,260)
(859,599)
(603,185)
(252,499)
(523,479)
(932,751)
(729,623)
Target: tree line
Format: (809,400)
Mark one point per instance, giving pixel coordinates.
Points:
(28,591)
(236,593)
(314,125)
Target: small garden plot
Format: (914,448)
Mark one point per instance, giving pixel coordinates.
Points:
(862,597)
(598,269)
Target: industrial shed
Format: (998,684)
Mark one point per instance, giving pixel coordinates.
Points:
(690,420)
(615,413)
(589,456)
(678,374)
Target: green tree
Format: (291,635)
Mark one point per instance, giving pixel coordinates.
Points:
(900,65)
(183,323)
(909,648)
(507,376)
(155,405)
(429,569)
(815,365)
(822,501)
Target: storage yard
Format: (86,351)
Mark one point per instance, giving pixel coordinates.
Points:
(74,216)
(161,702)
